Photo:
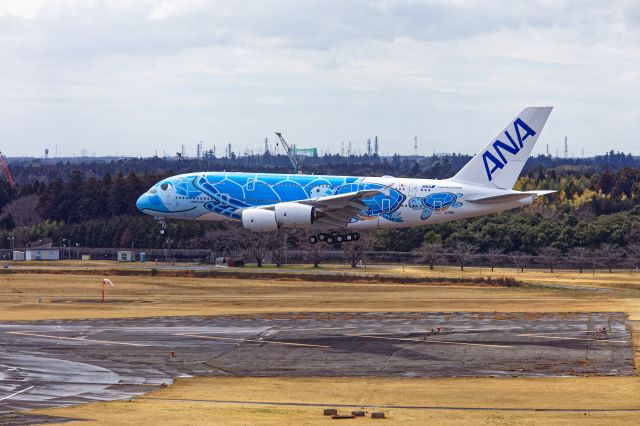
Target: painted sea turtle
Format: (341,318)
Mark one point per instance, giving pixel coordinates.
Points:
(438,203)
(385,204)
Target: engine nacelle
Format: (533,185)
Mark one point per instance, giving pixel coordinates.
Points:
(295,214)
(259,220)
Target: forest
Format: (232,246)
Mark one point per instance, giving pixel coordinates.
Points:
(91,202)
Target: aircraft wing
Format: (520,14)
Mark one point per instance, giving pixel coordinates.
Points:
(337,210)
(504,198)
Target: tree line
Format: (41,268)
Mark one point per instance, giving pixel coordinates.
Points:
(598,202)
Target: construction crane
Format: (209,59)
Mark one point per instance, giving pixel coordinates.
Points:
(5,170)
(291,153)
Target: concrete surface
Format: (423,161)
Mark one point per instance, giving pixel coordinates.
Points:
(54,363)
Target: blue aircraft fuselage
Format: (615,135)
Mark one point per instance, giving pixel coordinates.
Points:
(400,202)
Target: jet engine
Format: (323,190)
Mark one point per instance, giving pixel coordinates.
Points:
(295,214)
(259,220)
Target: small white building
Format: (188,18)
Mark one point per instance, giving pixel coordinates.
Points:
(126,256)
(18,255)
(42,254)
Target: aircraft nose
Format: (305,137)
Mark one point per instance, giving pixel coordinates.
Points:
(142,202)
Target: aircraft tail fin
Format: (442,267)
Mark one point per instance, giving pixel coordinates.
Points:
(499,164)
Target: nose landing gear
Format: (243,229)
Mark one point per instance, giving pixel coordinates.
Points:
(334,237)
(163,225)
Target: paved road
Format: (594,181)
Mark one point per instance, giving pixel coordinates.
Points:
(54,363)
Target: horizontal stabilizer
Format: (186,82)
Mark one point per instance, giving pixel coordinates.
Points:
(505,198)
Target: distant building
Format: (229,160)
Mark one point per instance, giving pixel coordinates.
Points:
(306,152)
(126,256)
(18,255)
(42,254)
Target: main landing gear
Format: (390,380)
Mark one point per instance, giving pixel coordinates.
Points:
(334,237)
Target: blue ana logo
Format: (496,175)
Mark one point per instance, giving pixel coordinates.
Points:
(438,203)
(498,159)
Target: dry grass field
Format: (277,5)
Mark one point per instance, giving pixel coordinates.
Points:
(257,401)
(192,401)
(61,296)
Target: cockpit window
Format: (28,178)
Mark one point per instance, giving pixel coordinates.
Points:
(164,186)
(153,191)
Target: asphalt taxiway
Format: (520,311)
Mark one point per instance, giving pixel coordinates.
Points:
(56,363)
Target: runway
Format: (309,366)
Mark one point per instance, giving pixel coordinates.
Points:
(56,363)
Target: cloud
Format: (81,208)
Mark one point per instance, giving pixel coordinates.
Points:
(135,75)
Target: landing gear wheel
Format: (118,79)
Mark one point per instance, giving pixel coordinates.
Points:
(322,237)
(163,225)
(348,237)
(339,238)
(356,236)
(330,240)
(313,239)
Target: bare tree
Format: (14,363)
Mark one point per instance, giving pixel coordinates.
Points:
(463,252)
(256,245)
(632,256)
(431,253)
(549,256)
(493,255)
(608,255)
(24,210)
(278,247)
(356,251)
(580,257)
(221,241)
(519,259)
(313,252)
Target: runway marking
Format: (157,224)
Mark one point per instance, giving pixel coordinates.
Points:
(445,330)
(80,339)
(571,338)
(251,340)
(312,329)
(16,393)
(446,342)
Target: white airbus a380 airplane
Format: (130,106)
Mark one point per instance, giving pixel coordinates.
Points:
(336,207)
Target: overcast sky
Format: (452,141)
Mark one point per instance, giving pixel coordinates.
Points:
(130,77)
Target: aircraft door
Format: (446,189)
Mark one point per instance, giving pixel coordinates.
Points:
(413,190)
(386,205)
